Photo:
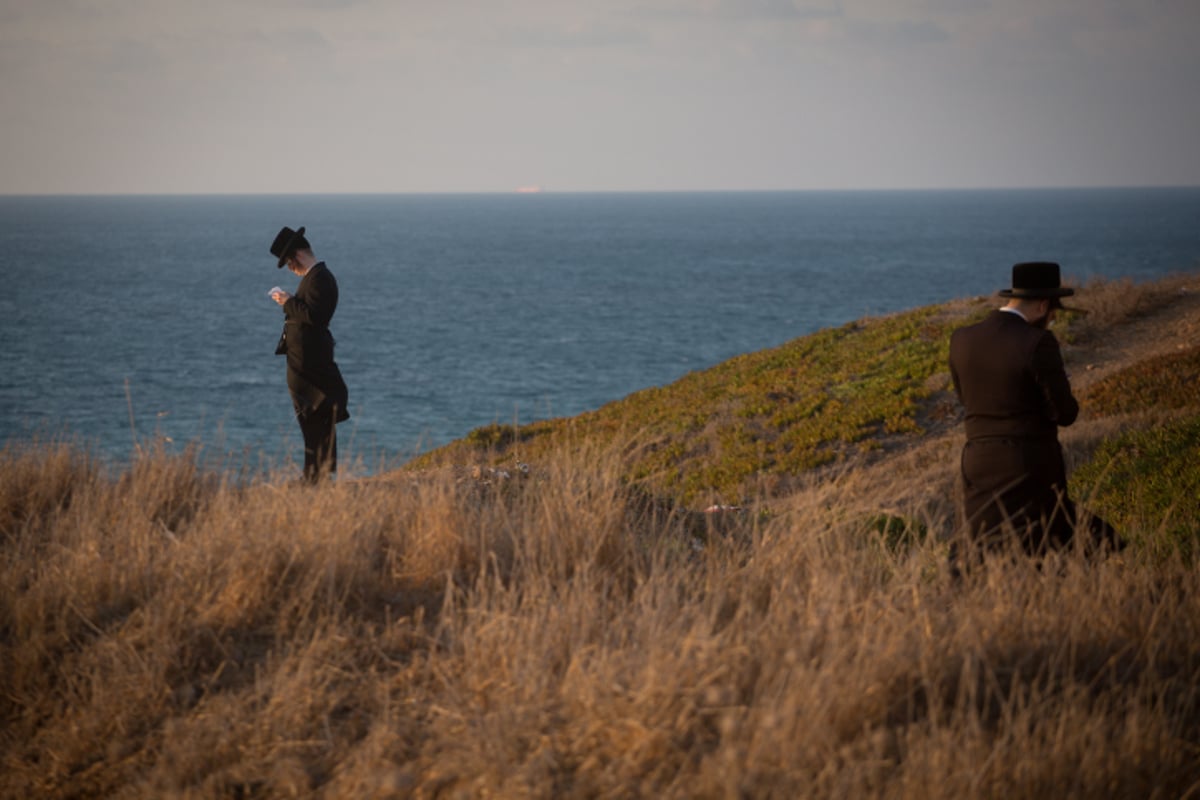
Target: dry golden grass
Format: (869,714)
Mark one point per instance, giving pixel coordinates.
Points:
(169,633)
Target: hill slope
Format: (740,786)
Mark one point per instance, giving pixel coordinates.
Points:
(757,426)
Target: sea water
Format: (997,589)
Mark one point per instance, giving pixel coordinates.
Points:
(127,320)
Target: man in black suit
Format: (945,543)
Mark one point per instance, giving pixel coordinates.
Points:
(1008,372)
(319,394)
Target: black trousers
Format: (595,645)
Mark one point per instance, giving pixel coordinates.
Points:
(1019,486)
(319,427)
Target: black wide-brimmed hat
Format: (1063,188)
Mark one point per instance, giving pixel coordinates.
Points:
(1037,280)
(287,241)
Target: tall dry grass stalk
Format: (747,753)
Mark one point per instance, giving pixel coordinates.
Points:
(172,633)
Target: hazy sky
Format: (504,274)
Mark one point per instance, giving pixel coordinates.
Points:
(582,95)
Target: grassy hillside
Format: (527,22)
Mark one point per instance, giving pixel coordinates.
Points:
(1148,477)
(573,632)
(748,425)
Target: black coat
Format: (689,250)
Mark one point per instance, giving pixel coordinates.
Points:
(1010,378)
(313,377)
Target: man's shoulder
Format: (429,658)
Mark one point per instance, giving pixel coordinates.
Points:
(320,273)
(1026,337)
(999,330)
(993,319)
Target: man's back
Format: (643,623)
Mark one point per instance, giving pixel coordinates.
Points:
(1009,376)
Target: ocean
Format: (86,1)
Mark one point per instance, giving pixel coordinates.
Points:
(134,319)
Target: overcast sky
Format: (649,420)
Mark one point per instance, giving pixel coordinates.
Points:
(184,96)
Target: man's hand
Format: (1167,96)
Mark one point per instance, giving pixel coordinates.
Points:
(280,296)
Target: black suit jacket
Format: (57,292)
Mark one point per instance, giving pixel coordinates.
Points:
(1009,376)
(313,377)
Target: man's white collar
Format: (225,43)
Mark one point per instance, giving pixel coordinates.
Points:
(1015,311)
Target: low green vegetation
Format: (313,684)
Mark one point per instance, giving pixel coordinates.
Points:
(740,428)
(1164,382)
(1147,483)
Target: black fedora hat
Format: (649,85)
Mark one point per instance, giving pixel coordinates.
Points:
(287,241)
(1037,280)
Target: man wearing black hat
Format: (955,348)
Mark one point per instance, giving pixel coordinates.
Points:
(319,394)
(1008,372)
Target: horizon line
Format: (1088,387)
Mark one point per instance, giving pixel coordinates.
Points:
(568,192)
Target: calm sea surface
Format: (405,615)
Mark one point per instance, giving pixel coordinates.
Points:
(457,311)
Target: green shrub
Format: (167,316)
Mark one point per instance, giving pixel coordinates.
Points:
(897,533)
